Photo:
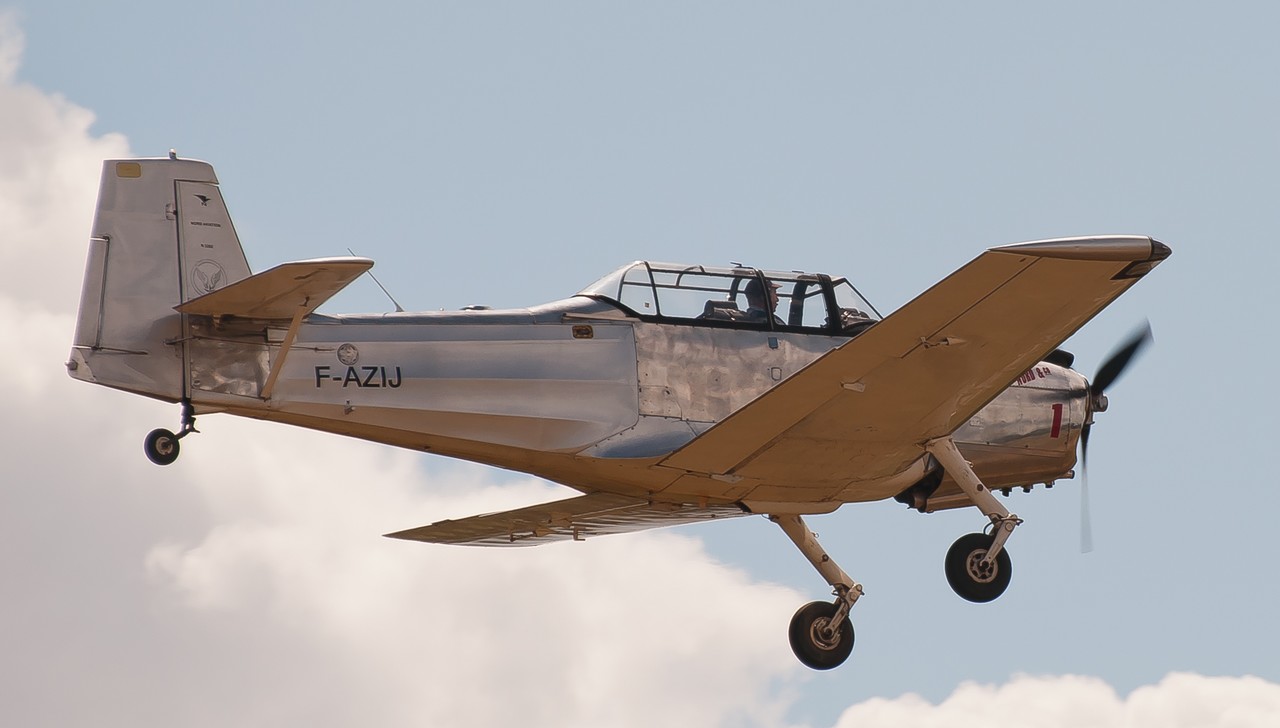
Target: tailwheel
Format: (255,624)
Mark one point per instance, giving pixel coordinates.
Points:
(161,446)
(816,641)
(971,574)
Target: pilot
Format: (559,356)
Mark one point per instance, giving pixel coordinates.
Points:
(761,307)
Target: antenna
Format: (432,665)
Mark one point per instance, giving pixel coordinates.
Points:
(399,308)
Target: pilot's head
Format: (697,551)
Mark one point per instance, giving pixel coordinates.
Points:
(756,298)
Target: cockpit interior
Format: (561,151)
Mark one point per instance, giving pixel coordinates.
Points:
(737,297)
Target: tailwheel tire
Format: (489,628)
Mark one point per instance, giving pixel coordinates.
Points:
(161,446)
(966,573)
(812,640)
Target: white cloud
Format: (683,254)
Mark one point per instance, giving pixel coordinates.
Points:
(1180,700)
(11,46)
(48,170)
(575,633)
(248,583)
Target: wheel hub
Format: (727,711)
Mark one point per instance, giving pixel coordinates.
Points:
(983,572)
(823,635)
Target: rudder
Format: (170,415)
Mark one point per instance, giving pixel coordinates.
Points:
(161,236)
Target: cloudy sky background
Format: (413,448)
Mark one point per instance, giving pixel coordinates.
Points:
(509,155)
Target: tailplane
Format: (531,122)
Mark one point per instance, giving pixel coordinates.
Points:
(161,237)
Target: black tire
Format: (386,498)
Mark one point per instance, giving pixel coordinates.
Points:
(966,575)
(161,446)
(808,643)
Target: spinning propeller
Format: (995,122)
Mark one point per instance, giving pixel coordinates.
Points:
(1108,373)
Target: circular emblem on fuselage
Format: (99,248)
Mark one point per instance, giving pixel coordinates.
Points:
(207,276)
(348,354)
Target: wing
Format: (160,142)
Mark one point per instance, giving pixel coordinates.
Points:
(863,410)
(278,293)
(576,518)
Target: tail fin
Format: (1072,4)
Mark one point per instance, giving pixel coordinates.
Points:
(161,237)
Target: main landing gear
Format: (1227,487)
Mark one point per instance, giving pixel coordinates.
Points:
(821,633)
(978,568)
(161,446)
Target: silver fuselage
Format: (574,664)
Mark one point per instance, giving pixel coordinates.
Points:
(595,391)
(588,395)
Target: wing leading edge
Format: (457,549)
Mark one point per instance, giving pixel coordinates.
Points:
(864,410)
(594,514)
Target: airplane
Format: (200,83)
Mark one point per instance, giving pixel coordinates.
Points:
(662,393)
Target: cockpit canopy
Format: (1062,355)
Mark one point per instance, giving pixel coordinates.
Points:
(728,296)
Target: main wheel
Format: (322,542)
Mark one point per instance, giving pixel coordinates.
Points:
(161,446)
(812,643)
(969,577)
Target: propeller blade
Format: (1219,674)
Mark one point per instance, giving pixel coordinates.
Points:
(1108,373)
(1086,515)
(1084,446)
(1115,364)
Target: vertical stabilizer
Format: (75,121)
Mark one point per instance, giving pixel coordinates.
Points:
(161,236)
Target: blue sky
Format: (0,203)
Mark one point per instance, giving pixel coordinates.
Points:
(510,154)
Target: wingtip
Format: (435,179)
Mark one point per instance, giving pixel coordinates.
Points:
(1159,251)
(1111,247)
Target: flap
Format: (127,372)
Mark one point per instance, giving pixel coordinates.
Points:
(594,514)
(863,410)
(278,293)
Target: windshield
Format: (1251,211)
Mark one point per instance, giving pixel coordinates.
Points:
(735,296)
(852,306)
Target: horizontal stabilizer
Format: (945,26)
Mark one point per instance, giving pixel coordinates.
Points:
(280,292)
(594,514)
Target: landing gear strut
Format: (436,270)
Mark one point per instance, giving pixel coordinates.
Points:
(977,566)
(161,446)
(821,633)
